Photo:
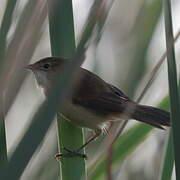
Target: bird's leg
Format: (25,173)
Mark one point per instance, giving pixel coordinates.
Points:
(92,138)
(71,153)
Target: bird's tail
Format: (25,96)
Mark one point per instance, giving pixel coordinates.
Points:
(153,116)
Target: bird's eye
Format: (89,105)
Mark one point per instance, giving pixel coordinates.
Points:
(46,66)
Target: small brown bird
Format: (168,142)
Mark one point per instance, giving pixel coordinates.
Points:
(93,101)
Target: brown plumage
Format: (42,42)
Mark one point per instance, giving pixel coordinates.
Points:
(93,101)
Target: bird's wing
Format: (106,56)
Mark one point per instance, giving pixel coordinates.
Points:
(98,96)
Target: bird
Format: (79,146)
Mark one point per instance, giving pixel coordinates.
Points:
(94,102)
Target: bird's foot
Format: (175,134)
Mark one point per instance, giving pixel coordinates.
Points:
(70,153)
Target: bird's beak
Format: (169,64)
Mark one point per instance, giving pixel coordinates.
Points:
(29,67)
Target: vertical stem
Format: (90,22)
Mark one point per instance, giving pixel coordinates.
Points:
(3,148)
(61,26)
(4,29)
(5,26)
(173,88)
(167,166)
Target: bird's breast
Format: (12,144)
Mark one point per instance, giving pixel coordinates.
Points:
(81,116)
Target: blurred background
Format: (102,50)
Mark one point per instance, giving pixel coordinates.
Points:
(132,42)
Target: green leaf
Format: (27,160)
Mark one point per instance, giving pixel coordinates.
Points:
(167,165)
(61,26)
(173,87)
(4,29)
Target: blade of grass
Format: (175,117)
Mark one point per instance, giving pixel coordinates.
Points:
(62,36)
(3,148)
(173,88)
(4,29)
(20,50)
(167,165)
(168,162)
(11,56)
(5,26)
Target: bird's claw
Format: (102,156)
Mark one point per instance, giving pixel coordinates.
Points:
(69,153)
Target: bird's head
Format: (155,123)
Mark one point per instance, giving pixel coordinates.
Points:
(46,70)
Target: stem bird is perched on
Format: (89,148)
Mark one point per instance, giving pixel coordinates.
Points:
(93,102)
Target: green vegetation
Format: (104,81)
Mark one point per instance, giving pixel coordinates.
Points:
(126,46)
